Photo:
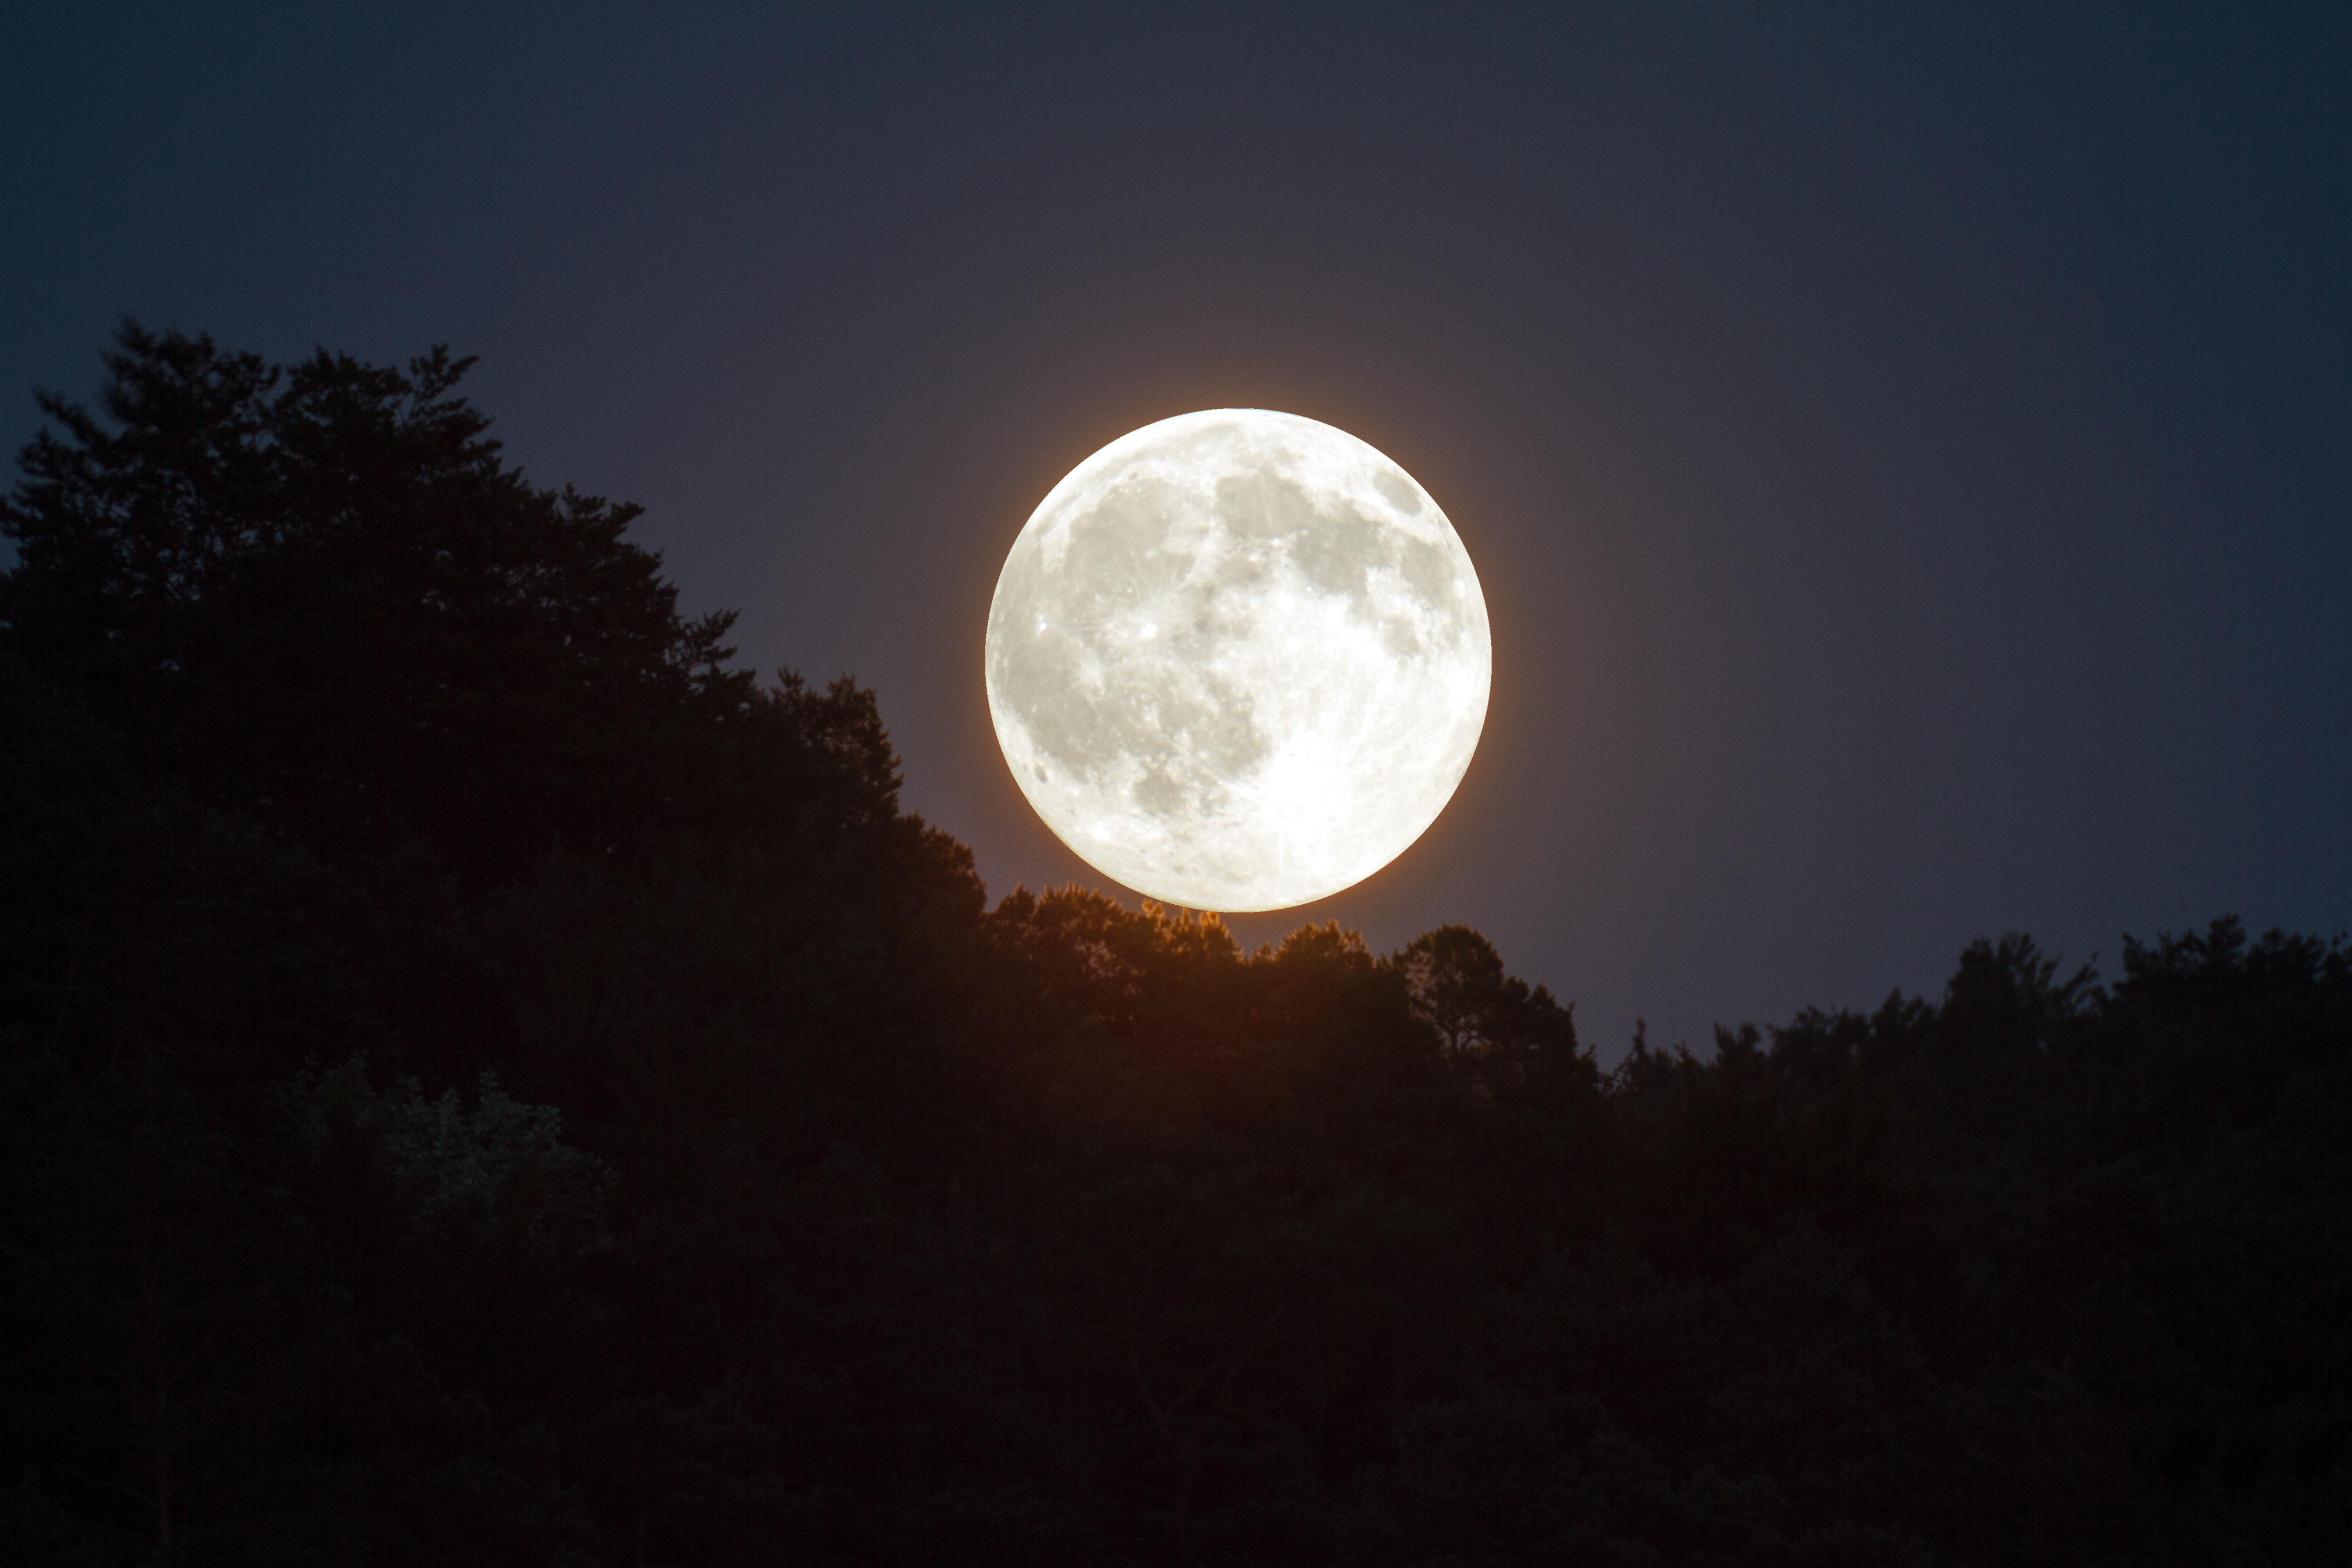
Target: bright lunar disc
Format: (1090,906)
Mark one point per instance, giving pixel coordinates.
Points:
(1238,660)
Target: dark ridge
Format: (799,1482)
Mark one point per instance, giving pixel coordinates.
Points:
(484,1079)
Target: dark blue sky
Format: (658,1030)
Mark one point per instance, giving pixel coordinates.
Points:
(1908,450)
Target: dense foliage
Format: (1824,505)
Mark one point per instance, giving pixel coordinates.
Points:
(484,1081)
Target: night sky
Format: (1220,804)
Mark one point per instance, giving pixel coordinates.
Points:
(1908,452)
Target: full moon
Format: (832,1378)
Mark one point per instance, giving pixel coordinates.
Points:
(1238,660)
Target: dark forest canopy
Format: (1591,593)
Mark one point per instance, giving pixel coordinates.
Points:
(483,1080)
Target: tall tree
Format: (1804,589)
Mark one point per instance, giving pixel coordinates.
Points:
(318,593)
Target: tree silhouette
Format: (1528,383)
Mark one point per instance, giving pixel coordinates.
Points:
(317,593)
(483,1080)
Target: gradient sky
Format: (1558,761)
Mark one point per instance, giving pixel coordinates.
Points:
(1908,450)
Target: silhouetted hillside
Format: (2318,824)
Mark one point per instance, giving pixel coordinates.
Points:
(483,1081)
